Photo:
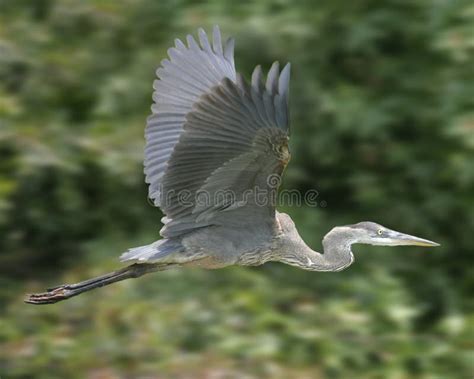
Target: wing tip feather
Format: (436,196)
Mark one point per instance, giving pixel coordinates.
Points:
(284,80)
(229,50)
(257,82)
(217,41)
(204,40)
(272,78)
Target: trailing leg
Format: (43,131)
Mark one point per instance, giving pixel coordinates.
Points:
(66,291)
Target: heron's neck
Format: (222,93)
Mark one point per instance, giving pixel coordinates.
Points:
(337,251)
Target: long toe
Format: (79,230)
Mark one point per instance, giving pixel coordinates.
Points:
(52,296)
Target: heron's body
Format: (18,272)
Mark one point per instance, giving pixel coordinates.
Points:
(219,246)
(216,147)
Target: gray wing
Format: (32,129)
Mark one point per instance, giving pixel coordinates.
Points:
(226,165)
(189,72)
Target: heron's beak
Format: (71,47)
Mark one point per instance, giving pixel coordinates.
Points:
(398,238)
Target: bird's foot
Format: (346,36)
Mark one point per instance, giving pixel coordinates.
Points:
(51,296)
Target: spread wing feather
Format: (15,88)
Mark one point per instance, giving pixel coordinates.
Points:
(189,72)
(213,139)
(234,139)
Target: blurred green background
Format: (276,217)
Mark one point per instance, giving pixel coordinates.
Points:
(382,104)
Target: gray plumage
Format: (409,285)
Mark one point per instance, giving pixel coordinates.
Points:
(214,145)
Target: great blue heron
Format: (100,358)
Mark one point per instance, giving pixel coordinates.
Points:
(212,134)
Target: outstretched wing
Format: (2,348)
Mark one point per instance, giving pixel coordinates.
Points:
(225,164)
(189,72)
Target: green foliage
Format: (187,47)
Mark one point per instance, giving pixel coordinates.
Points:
(382,107)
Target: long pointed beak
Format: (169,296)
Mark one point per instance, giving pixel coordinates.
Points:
(406,239)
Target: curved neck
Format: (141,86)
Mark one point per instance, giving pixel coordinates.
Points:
(337,251)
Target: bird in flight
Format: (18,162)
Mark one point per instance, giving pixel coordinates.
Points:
(216,147)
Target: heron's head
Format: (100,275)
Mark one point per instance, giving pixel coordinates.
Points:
(374,234)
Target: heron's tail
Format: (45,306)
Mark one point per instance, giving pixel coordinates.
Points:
(153,252)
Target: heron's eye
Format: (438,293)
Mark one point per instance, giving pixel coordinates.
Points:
(380,232)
